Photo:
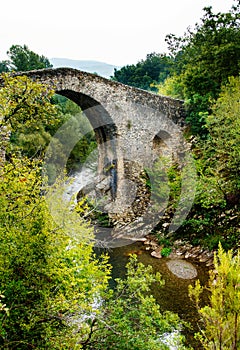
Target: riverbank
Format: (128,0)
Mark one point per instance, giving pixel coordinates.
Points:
(179,249)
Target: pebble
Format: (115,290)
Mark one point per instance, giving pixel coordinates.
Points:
(156,254)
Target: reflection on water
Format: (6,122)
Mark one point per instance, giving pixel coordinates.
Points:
(173,296)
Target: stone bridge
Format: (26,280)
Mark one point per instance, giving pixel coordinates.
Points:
(133,128)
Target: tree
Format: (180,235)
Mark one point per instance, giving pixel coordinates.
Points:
(130,318)
(24,102)
(4,66)
(224,139)
(204,59)
(26,110)
(23,59)
(87,140)
(221,324)
(48,272)
(214,216)
(143,75)
(171,86)
(34,114)
(220,159)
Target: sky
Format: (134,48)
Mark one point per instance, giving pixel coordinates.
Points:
(111,31)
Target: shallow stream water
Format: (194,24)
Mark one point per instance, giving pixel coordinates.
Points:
(173,295)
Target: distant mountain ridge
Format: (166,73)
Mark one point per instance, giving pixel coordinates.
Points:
(104,69)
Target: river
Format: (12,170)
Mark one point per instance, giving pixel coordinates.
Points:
(173,295)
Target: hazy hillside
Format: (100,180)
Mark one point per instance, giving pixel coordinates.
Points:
(101,68)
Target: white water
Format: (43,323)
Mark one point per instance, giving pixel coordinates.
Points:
(78,181)
(172,340)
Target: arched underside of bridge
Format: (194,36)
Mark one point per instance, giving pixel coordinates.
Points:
(99,118)
(103,126)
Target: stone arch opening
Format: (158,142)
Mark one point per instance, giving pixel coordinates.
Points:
(160,143)
(102,123)
(106,137)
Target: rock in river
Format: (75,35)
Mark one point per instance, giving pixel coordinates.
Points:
(182,268)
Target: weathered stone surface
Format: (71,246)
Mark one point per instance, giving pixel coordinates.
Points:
(156,254)
(182,268)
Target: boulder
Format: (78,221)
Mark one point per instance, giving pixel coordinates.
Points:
(182,269)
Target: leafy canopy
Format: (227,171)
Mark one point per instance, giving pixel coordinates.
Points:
(143,75)
(27,113)
(22,59)
(47,273)
(204,58)
(219,163)
(220,330)
(130,318)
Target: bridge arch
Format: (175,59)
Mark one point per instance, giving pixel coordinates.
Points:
(103,126)
(127,122)
(98,116)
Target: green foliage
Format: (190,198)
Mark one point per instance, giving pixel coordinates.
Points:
(164,241)
(34,114)
(220,318)
(4,66)
(26,109)
(47,271)
(158,182)
(146,73)
(209,226)
(129,317)
(219,160)
(224,143)
(67,110)
(86,145)
(208,192)
(203,60)
(90,210)
(22,59)
(216,205)
(165,183)
(101,218)
(65,106)
(166,251)
(171,86)
(24,103)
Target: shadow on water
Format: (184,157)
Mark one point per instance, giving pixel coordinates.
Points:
(173,296)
